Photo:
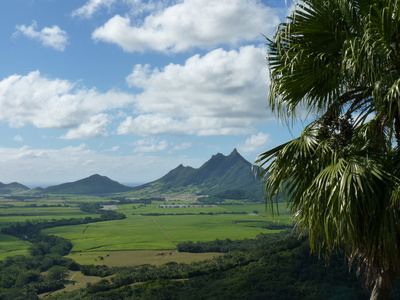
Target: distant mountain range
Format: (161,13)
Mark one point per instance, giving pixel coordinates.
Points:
(221,176)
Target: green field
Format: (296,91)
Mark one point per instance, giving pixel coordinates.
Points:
(144,232)
(138,232)
(137,257)
(19,212)
(10,246)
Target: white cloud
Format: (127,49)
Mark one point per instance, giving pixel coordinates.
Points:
(255,143)
(140,6)
(91,7)
(150,145)
(113,149)
(73,163)
(18,138)
(136,7)
(94,128)
(183,146)
(55,103)
(221,93)
(156,124)
(52,37)
(152,124)
(191,23)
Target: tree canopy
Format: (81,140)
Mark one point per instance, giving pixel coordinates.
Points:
(338,63)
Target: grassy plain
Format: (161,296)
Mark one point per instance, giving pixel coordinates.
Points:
(138,257)
(10,245)
(18,212)
(139,231)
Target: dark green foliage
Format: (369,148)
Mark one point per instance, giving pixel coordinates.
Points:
(90,207)
(211,200)
(73,266)
(19,294)
(96,209)
(106,215)
(20,276)
(124,200)
(228,245)
(46,285)
(100,271)
(57,273)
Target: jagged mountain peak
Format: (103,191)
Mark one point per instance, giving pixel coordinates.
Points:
(234,151)
(219,173)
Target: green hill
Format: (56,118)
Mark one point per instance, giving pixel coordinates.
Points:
(93,185)
(222,176)
(12,188)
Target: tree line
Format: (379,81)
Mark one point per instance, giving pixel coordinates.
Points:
(200,213)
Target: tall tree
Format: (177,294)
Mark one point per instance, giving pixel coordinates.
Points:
(338,62)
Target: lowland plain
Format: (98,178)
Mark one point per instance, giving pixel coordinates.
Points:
(146,226)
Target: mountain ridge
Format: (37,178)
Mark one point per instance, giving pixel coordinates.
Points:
(92,185)
(12,188)
(221,176)
(217,175)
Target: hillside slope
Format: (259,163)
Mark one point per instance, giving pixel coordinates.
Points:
(93,185)
(221,174)
(12,188)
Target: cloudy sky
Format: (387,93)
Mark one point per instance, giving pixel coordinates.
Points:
(130,89)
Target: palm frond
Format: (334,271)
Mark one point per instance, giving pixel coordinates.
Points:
(340,60)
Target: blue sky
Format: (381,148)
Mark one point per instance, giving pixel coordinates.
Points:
(130,89)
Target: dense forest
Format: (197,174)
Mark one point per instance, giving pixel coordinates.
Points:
(269,267)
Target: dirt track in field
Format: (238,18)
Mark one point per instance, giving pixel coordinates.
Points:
(162,230)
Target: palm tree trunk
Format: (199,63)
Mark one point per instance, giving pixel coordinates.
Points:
(383,285)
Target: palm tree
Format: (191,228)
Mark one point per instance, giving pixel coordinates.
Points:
(338,62)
